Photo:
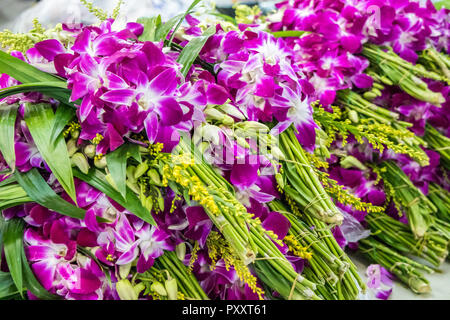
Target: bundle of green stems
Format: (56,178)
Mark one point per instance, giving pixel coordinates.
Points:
(186,281)
(439,143)
(406,270)
(433,247)
(302,183)
(418,208)
(251,242)
(328,266)
(404,74)
(441,199)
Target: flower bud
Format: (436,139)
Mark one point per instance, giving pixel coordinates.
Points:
(232,111)
(351,161)
(353,116)
(131,170)
(227,120)
(125,290)
(72,147)
(79,160)
(89,151)
(214,114)
(139,288)
(369,95)
(242,142)
(180,250)
(154,176)
(255,126)
(158,288)
(378,86)
(100,163)
(172,289)
(277,153)
(141,169)
(124,270)
(75,134)
(386,81)
(279,179)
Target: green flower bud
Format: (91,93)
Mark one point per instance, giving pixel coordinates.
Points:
(204,146)
(386,81)
(369,95)
(131,170)
(232,111)
(214,114)
(89,151)
(353,116)
(100,163)
(227,120)
(154,176)
(378,86)
(180,250)
(280,180)
(172,289)
(72,147)
(138,288)
(242,142)
(79,160)
(75,134)
(124,270)
(351,161)
(376,91)
(141,169)
(125,290)
(158,288)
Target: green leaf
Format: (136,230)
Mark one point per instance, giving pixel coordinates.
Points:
(289,33)
(18,253)
(63,115)
(13,244)
(97,179)
(54,89)
(8,115)
(40,120)
(188,11)
(12,195)
(38,190)
(192,49)
(150,27)
(162,31)
(26,73)
(117,165)
(442,4)
(7,286)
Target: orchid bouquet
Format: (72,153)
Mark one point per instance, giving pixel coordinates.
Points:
(225,158)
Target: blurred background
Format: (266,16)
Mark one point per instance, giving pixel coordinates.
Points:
(17,15)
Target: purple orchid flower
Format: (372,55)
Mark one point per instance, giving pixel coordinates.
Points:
(379,277)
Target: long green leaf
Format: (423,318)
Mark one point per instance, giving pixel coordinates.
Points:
(8,115)
(162,31)
(38,190)
(63,115)
(13,244)
(7,286)
(192,49)
(289,34)
(97,179)
(150,27)
(117,165)
(40,120)
(55,89)
(12,195)
(188,11)
(26,73)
